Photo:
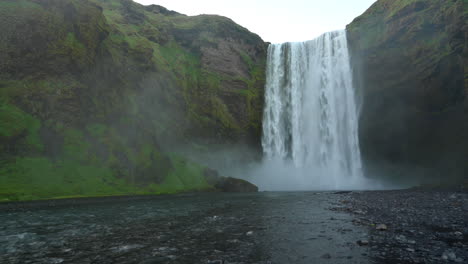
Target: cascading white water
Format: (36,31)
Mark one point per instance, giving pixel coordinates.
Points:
(310,123)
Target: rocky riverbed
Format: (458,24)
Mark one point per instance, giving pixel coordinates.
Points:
(190,228)
(407,226)
(412,226)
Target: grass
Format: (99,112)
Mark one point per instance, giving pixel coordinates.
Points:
(38,177)
(32,178)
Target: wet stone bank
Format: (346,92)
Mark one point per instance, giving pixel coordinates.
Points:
(412,226)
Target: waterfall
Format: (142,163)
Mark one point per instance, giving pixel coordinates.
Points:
(310,121)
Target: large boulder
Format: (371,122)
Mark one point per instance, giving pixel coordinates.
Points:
(228,184)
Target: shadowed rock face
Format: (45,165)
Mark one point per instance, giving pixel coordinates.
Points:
(410,63)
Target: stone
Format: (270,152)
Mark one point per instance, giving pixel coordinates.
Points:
(449,255)
(381,227)
(218,261)
(326,256)
(401,238)
(229,184)
(363,242)
(155,260)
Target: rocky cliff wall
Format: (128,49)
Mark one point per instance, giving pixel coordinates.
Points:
(410,64)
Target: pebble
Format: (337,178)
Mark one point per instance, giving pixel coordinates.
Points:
(218,261)
(401,238)
(363,242)
(449,255)
(250,233)
(154,260)
(381,227)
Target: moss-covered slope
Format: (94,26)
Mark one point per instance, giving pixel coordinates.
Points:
(410,62)
(95,93)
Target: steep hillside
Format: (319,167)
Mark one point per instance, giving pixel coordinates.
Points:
(95,94)
(410,62)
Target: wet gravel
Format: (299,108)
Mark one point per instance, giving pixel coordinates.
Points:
(191,228)
(412,226)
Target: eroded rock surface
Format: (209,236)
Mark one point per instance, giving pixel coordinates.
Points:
(410,60)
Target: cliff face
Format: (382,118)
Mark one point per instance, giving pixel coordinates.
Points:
(410,64)
(95,93)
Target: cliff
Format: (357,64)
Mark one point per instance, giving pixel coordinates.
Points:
(410,64)
(96,94)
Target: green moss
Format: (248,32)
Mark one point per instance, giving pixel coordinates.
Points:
(247,60)
(75,49)
(399,5)
(5,4)
(185,176)
(97,130)
(74,145)
(17,125)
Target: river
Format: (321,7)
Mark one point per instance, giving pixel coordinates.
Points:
(268,227)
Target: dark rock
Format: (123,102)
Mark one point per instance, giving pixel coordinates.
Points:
(410,61)
(449,255)
(218,261)
(155,260)
(229,184)
(363,242)
(211,176)
(326,256)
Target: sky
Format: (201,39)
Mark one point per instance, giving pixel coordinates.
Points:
(276,21)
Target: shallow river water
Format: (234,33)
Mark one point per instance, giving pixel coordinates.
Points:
(190,228)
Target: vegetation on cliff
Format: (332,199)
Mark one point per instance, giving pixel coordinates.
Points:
(410,62)
(94,94)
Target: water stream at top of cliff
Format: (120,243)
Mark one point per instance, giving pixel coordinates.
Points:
(310,124)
